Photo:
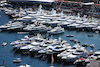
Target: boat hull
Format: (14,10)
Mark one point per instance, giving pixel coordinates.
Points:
(56,32)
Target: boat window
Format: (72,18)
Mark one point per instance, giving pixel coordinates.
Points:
(50,48)
(73,48)
(58,47)
(96,54)
(47,43)
(79,50)
(75,54)
(68,51)
(38,40)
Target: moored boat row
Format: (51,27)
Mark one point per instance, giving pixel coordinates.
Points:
(28,19)
(43,48)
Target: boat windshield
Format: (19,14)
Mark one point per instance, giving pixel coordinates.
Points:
(73,48)
(79,50)
(48,43)
(96,54)
(64,43)
(58,47)
(76,53)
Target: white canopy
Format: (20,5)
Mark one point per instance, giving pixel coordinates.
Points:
(90,3)
(27,17)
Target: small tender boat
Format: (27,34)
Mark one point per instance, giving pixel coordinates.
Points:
(4,43)
(85,45)
(3,65)
(90,35)
(92,45)
(71,39)
(18,60)
(69,35)
(74,40)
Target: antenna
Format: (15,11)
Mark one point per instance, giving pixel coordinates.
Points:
(61,3)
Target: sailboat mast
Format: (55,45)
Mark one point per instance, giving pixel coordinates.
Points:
(61,3)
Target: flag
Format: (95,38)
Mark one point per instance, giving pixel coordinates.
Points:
(52,59)
(3,61)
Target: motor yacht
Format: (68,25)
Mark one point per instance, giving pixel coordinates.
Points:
(24,65)
(56,30)
(18,60)
(95,55)
(74,53)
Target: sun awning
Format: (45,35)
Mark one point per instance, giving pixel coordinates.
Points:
(91,3)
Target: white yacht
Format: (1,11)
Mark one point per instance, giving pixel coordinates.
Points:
(5,27)
(35,49)
(95,55)
(12,25)
(4,43)
(24,65)
(73,26)
(64,24)
(53,23)
(64,54)
(22,41)
(17,60)
(82,20)
(27,47)
(28,27)
(74,53)
(80,27)
(56,30)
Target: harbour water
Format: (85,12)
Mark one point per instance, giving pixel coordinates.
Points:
(7,54)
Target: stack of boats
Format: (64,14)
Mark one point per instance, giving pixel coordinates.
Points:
(39,44)
(74,53)
(91,61)
(12,26)
(48,18)
(36,28)
(52,23)
(43,48)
